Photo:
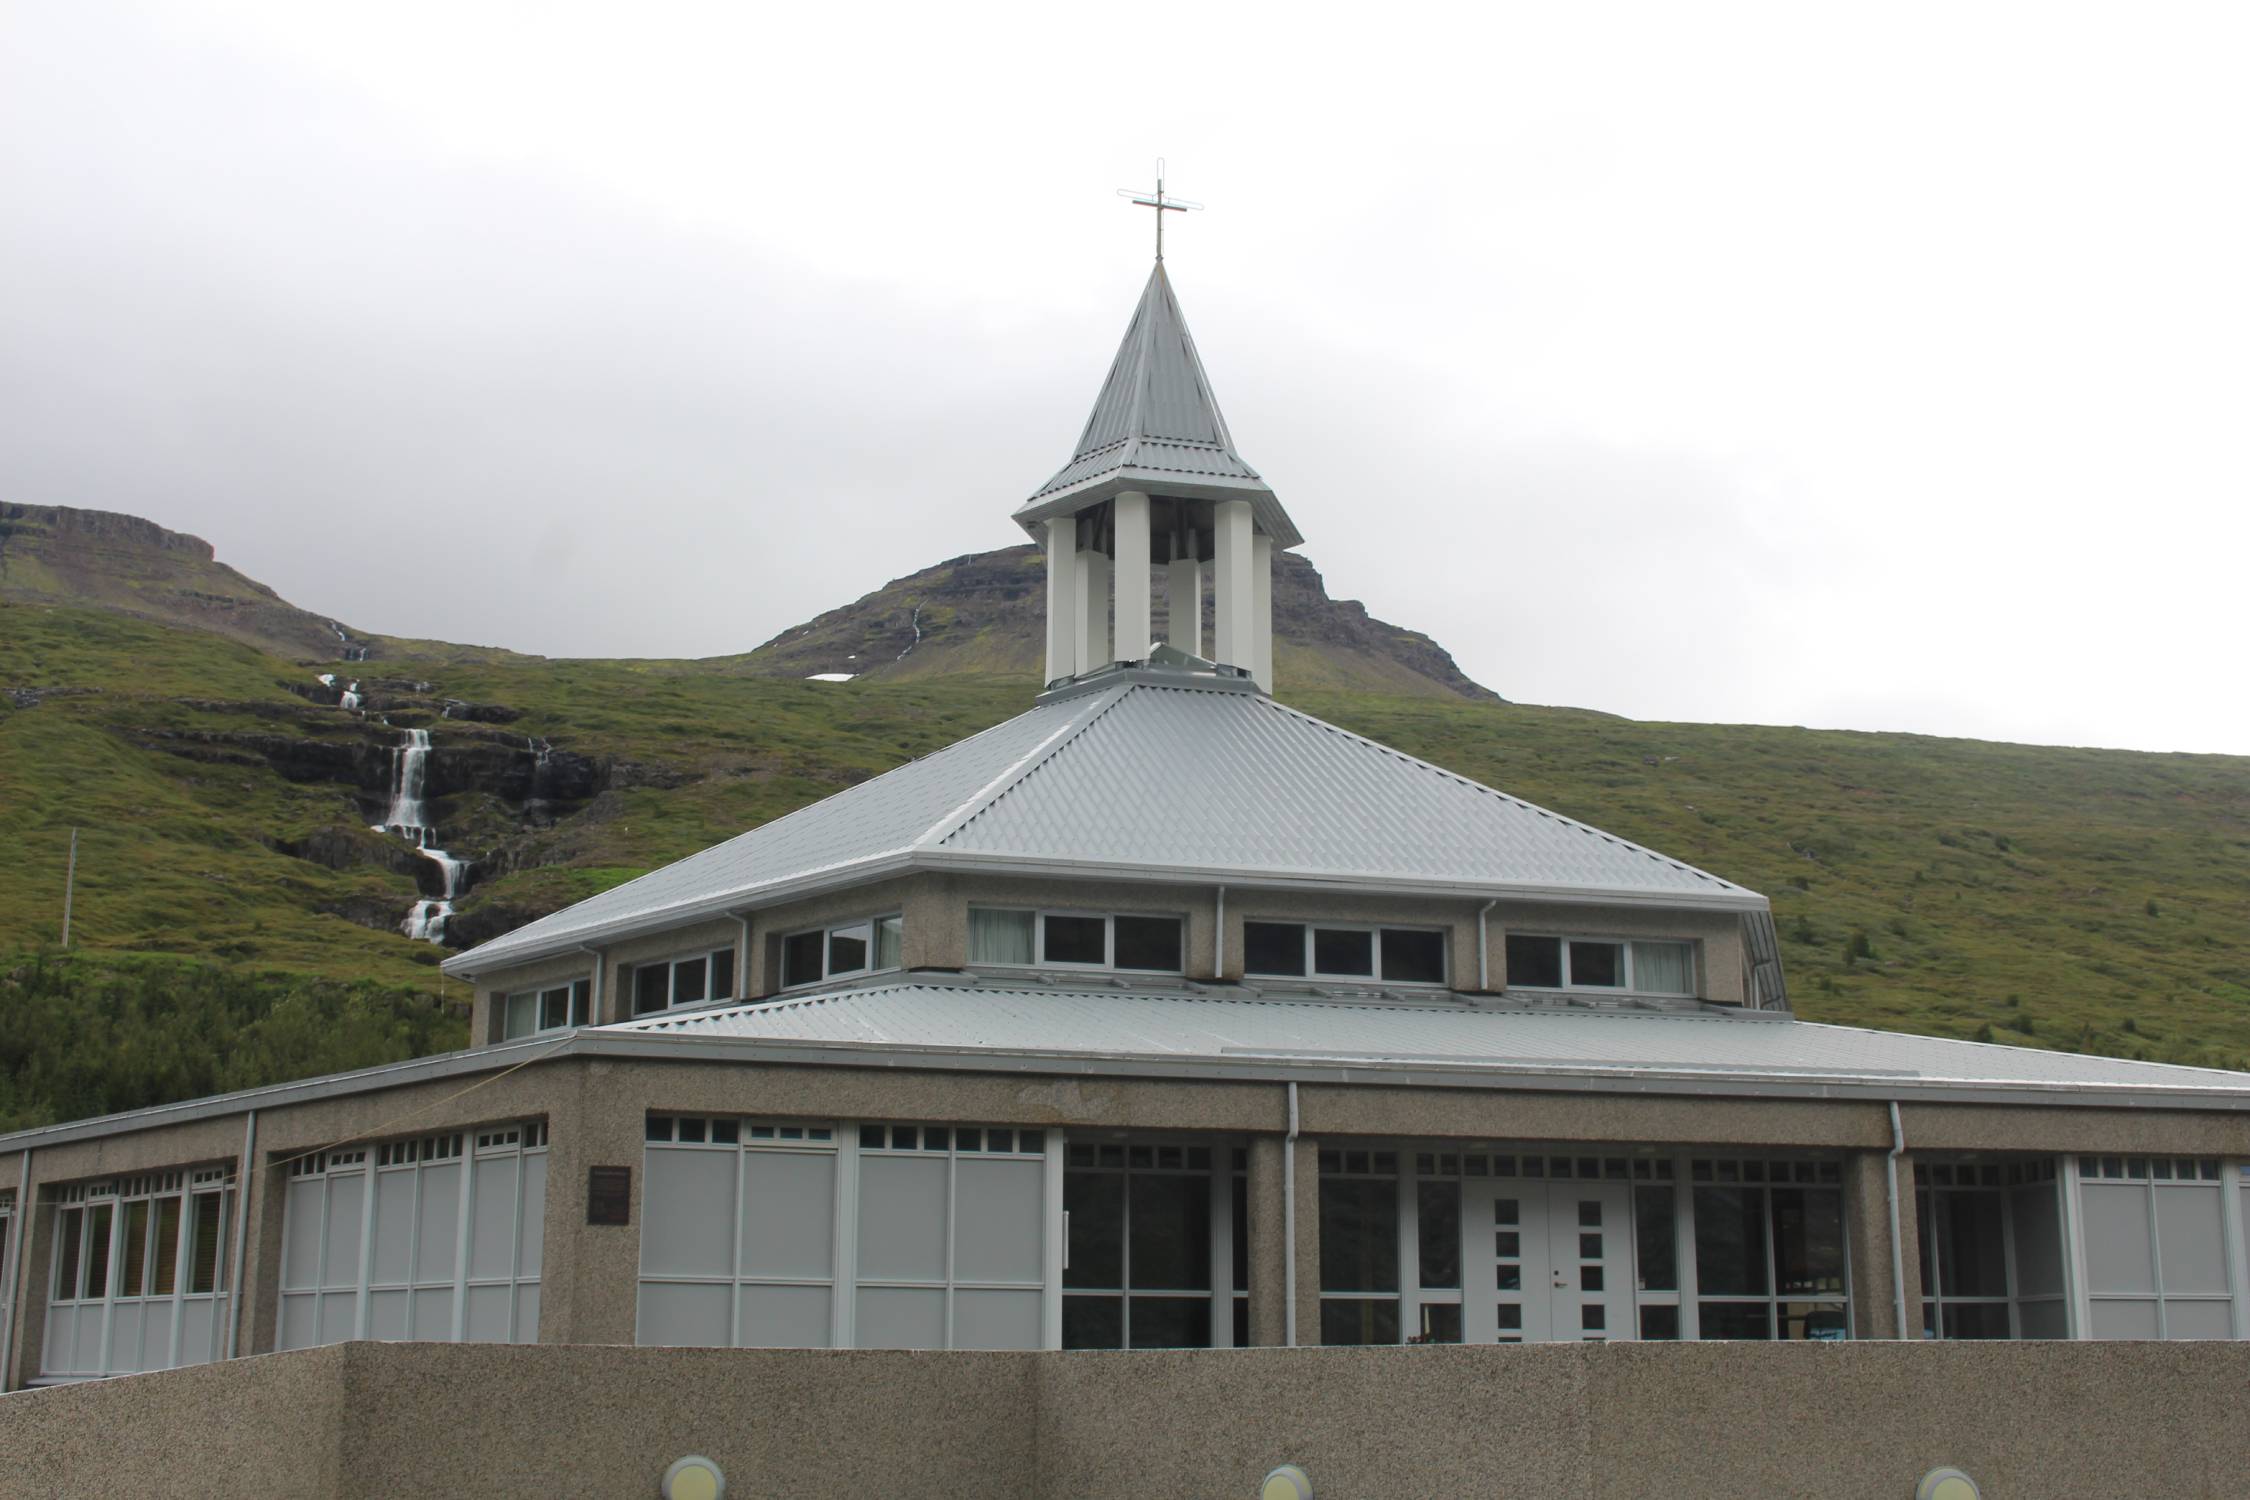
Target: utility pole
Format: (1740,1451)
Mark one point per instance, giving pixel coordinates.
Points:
(70,885)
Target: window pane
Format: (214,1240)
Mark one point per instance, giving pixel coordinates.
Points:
(554,1009)
(1093,1323)
(522,1017)
(1659,1323)
(999,937)
(1976,1320)
(1358,1321)
(165,1248)
(1359,1236)
(1534,962)
(1730,1240)
(890,944)
(1077,940)
(722,974)
(1273,948)
(1655,1258)
(1148,943)
(1413,957)
(97,1250)
(68,1233)
(581,1003)
(1337,950)
(203,1263)
(1733,1320)
(651,984)
(1824,1320)
(1597,966)
(800,957)
(1438,1235)
(1808,1239)
(690,981)
(848,948)
(1664,968)
(134,1282)
(1171,1215)
(1241,1246)
(1441,1323)
(1970,1249)
(1095,1202)
(1171,1322)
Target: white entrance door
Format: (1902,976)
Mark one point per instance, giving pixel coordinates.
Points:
(1547,1261)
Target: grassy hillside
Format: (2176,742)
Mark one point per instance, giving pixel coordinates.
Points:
(2095,900)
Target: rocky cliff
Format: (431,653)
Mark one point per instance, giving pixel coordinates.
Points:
(55,554)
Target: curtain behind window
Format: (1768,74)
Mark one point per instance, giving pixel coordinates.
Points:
(999,937)
(1664,968)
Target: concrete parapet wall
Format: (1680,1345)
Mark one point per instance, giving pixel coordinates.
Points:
(1563,1420)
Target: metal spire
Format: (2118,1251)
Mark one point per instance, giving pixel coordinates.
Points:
(1160,203)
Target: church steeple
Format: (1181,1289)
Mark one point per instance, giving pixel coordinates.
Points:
(1155,478)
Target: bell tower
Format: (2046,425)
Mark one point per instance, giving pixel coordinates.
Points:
(1155,481)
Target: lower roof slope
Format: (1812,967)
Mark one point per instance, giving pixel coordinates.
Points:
(1157,775)
(1660,1051)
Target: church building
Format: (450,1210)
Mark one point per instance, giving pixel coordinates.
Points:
(1162,1015)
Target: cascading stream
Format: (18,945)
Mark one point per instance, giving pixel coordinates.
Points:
(408,818)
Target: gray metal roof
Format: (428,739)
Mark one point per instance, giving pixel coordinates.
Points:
(1030,1019)
(1159,776)
(1156,426)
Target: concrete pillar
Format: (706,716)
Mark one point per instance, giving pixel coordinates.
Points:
(1062,597)
(1261,611)
(589,1278)
(1183,600)
(1308,1242)
(1093,611)
(1867,1232)
(1231,587)
(1267,1271)
(27,1311)
(1130,514)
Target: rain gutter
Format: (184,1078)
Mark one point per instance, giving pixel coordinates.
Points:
(1898,1252)
(1289,1226)
(1484,911)
(242,1180)
(22,1235)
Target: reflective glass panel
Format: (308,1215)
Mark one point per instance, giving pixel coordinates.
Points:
(1338,950)
(1151,943)
(1534,962)
(1077,940)
(1273,948)
(1597,965)
(1411,957)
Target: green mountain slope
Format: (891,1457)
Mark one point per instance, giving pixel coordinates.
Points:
(2085,899)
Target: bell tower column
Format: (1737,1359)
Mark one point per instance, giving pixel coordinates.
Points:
(1261,612)
(1093,610)
(1062,597)
(1183,599)
(1129,515)
(1230,587)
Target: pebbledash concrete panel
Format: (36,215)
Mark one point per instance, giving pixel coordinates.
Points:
(1569,1421)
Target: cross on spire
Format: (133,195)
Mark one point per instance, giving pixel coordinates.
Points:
(1158,201)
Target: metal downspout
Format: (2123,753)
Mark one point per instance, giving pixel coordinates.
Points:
(742,967)
(1219,941)
(1898,1251)
(1289,1226)
(21,1227)
(1483,943)
(594,1005)
(242,1181)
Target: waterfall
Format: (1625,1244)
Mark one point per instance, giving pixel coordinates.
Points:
(350,698)
(409,818)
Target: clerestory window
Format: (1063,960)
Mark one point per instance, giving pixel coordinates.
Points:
(1130,941)
(1635,966)
(556,1008)
(866,946)
(1394,955)
(694,979)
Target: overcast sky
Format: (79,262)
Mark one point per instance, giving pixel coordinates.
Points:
(1882,367)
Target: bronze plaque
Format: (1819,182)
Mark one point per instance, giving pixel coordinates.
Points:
(609,1195)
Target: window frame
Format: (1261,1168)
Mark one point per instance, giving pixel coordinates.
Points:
(577,1008)
(1313,926)
(827,932)
(670,965)
(72,1258)
(1108,919)
(1629,988)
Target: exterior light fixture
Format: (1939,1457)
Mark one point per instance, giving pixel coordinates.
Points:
(1289,1483)
(697,1478)
(1947,1484)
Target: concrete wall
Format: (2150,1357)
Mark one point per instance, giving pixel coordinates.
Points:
(1570,1421)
